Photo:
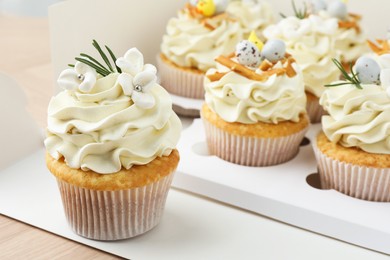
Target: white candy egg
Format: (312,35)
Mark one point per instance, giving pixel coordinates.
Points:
(220,6)
(318,5)
(194,2)
(274,50)
(248,54)
(338,9)
(368,70)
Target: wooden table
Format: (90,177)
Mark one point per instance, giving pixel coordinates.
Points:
(25,56)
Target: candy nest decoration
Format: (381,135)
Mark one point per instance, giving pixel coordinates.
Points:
(353,152)
(110,143)
(255,105)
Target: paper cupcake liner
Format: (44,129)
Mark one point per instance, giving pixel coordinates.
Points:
(252,151)
(361,182)
(315,111)
(180,82)
(114,215)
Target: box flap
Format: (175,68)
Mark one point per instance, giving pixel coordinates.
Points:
(19,134)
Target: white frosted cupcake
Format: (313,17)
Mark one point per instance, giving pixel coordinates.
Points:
(255,112)
(254,15)
(350,37)
(310,39)
(353,152)
(110,143)
(193,39)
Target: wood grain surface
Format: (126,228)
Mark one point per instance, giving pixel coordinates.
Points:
(25,56)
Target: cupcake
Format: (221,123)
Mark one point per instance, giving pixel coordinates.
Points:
(201,32)
(310,39)
(350,37)
(110,143)
(254,113)
(353,151)
(254,15)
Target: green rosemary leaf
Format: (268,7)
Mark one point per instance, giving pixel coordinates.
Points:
(93,65)
(283,15)
(301,14)
(93,60)
(71,65)
(341,68)
(350,80)
(337,84)
(113,58)
(104,56)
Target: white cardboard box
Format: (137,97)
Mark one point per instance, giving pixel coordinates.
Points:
(291,200)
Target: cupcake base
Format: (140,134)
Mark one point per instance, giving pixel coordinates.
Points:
(185,82)
(243,144)
(114,206)
(313,108)
(363,181)
(114,215)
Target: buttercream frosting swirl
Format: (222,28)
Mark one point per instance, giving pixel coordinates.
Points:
(254,15)
(189,43)
(358,117)
(236,98)
(311,42)
(104,130)
(351,43)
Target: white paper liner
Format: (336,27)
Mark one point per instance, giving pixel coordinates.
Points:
(361,182)
(251,151)
(315,111)
(114,215)
(180,82)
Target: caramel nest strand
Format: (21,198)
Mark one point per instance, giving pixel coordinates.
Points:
(352,23)
(380,48)
(266,66)
(207,21)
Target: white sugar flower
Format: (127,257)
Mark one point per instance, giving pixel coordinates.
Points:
(139,88)
(81,77)
(133,63)
(137,79)
(385,80)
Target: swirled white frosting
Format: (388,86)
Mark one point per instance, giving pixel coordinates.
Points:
(236,98)
(254,15)
(311,42)
(188,43)
(383,60)
(358,117)
(104,130)
(350,43)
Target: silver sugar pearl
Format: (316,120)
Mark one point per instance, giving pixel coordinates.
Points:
(81,77)
(138,88)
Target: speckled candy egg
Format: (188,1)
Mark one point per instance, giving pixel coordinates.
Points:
(338,10)
(248,54)
(318,5)
(274,50)
(368,70)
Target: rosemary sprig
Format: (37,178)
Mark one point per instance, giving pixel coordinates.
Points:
(113,58)
(301,14)
(95,64)
(350,79)
(102,54)
(103,72)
